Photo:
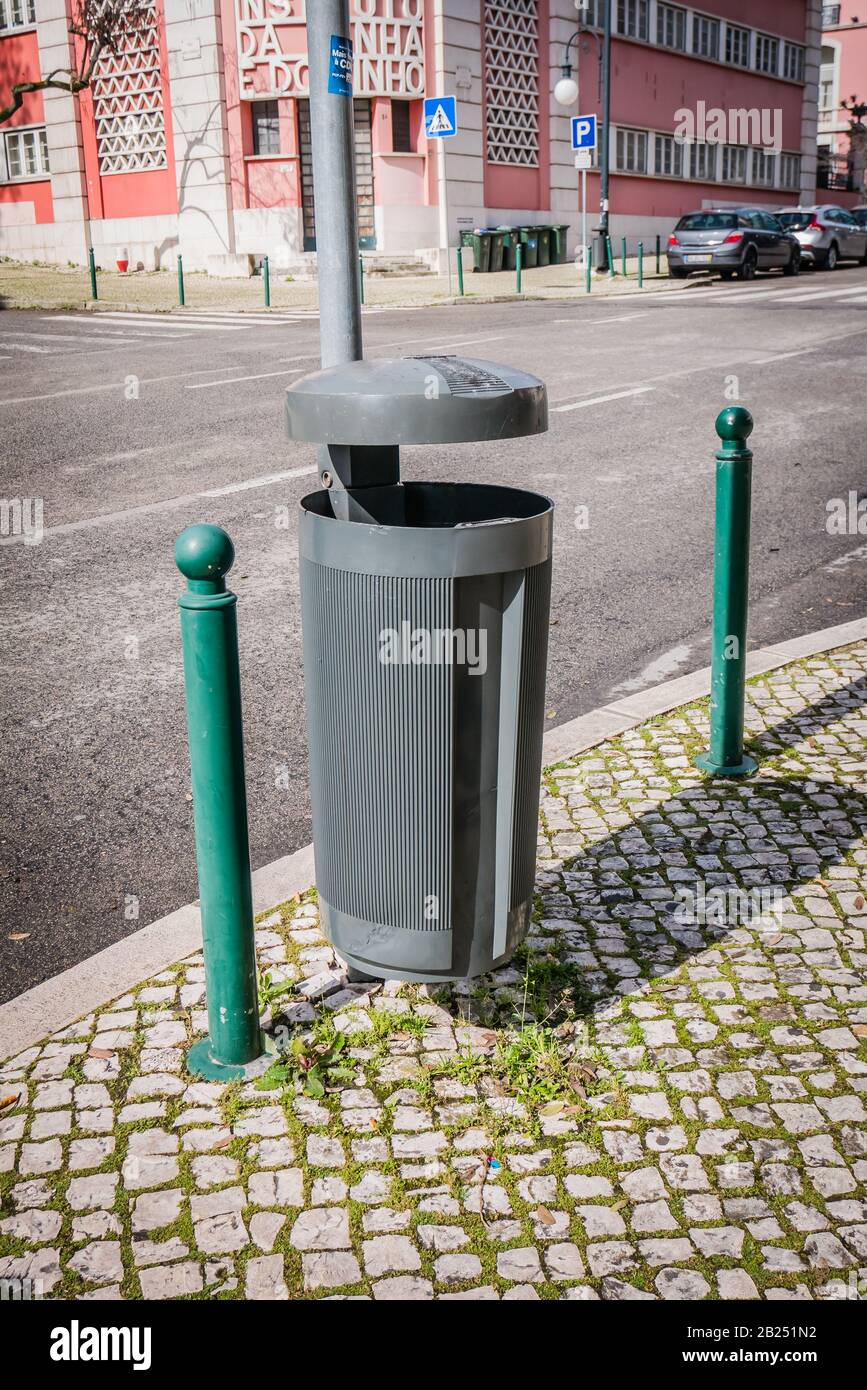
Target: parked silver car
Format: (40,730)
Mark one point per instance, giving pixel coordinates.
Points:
(827,234)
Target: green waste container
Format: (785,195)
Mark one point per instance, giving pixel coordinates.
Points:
(481,244)
(511,240)
(529,247)
(559,233)
(543,256)
(496,258)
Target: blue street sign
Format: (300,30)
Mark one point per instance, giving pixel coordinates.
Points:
(583,132)
(440,117)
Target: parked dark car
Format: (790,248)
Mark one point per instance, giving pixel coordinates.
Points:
(734,241)
(827,234)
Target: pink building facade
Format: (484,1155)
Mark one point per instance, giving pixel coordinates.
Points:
(842,76)
(195,138)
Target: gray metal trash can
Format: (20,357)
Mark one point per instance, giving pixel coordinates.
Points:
(425,612)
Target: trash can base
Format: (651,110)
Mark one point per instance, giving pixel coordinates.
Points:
(200,1062)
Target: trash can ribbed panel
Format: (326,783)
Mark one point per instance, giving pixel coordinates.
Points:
(531,710)
(382,792)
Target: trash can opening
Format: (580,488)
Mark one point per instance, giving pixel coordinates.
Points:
(431,506)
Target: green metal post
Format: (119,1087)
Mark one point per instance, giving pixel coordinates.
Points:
(361,278)
(726,757)
(623,255)
(609,264)
(181,299)
(460,270)
(588,268)
(91,262)
(518,259)
(266,276)
(209,633)
(657,252)
(640,264)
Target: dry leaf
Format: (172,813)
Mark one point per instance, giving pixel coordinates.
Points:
(8,1100)
(859,902)
(553,1107)
(543,1215)
(860,1030)
(664,989)
(775,940)
(224,1142)
(100,1052)
(18,935)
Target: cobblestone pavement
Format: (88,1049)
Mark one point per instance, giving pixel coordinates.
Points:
(51,287)
(637,1107)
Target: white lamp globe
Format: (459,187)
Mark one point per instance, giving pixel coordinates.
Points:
(566,91)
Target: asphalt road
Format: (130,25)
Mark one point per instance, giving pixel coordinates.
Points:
(131,427)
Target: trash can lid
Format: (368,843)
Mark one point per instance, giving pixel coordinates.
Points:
(415,400)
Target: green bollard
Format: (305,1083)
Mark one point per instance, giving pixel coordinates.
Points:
(460,270)
(726,757)
(518,259)
(609,255)
(640,264)
(657,252)
(361,279)
(623,256)
(266,277)
(91,262)
(588,268)
(181,299)
(234,1046)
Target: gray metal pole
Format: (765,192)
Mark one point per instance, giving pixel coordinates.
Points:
(332,138)
(605,153)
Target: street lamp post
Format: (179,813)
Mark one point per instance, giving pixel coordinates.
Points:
(566,93)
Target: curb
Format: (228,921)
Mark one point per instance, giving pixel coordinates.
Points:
(58,1002)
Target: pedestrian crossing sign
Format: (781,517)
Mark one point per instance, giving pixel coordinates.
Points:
(440,117)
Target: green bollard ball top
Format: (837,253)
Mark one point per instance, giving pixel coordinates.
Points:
(734,425)
(204,553)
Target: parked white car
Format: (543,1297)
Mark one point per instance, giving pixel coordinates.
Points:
(827,234)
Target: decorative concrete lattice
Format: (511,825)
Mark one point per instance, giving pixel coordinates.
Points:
(512,81)
(128,103)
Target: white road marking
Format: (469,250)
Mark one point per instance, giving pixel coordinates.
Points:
(600,400)
(804,297)
(852,557)
(25,347)
(168,504)
(150,320)
(666,665)
(227,381)
(239,317)
(615,318)
(99,337)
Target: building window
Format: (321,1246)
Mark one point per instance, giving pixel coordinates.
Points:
(830,15)
(705,36)
(790,171)
(401,134)
(632,18)
(763,168)
(632,151)
(702,162)
(667,156)
(671,27)
(17,14)
(767,53)
(511,69)
(734,164)
(265,119)
(591,13)
(26,154)
(793,62)
(737,46)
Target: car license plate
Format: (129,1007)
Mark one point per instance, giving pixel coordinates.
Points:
(696,259)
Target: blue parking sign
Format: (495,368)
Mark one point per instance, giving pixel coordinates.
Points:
(440,117)
(583,132)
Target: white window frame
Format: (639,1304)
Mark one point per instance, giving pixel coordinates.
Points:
(798,52)
(734,155)
(12,26)
(708,20)
(671,151)
(697,149)
(762,159)
(16,134)
(761,47)
(592,14)
(634,12)
(673,13)
(628,140)
(739,30)
(790,160)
